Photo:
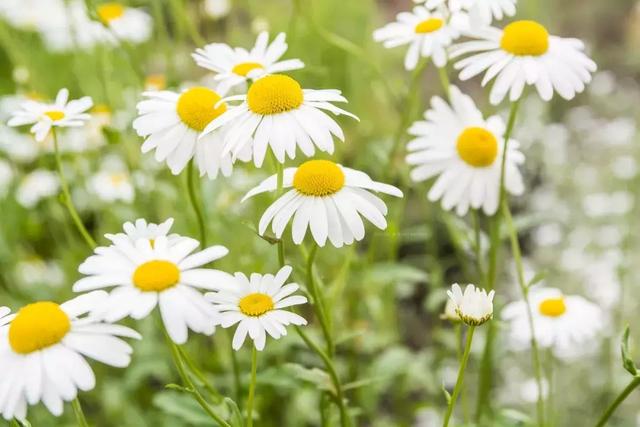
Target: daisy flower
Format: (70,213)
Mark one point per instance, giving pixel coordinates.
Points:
(171,123)
(464,150)
(141,229)
(480,12)
(126,23)
(523,53)
(39,184)
(276,112)
(156,272)
(111,186)
(567,324)
(428,34)
(474,306)
(44,116)
(327,198)
(236,66)
(256,304)
(43,349)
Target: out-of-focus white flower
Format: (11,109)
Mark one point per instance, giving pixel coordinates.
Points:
(35,271)
(126,23)
(481,12)
(112,185)
(142,229)
(36,186)
(474,306)
(217,9)
(450,312)
(604,204)
(624,167)
(603,84)
(33,15)
(6,177)
(18,146)
(529,390)
(548,234)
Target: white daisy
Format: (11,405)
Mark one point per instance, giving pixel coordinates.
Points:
(141,229)
(43,349)
(464,150)
(327,198)
(171,123)
(256,304)
(523,53)
(276,112)
(474,306)
(39,184)
(44,116)
(126,23)
(111,186)
(236,66)
(428,34)
(150,272)
(480,12)
(567,324)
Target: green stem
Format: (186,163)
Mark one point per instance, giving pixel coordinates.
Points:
(621,397)
(77,410)
(513,112)
(67,195)
(197,209)
(279,191)
(198,374)
(459,382)
(252,386)
(444,81)
(318,302)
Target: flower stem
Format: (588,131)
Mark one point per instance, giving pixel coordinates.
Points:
(635,382)
(67,195)
(279,185)
(459,382)
(444,81)
(197,209)
(252,386)
(77,409)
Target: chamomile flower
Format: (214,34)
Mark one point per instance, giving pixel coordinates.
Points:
(480,12)
(126,23)
(39,184)
(256,304)
(171,123)
(523,53)
(112,185)
(456,144)
(428,34)
(276,112)
(474,306)
(567,324)
(327,198)
(156,272)
(44,116)
(43,349)
(236,66)
(141,229)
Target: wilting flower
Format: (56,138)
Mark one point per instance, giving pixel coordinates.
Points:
(474,306)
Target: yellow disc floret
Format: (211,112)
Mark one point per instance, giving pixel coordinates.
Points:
(197,107)
(256,304)
(429,25)
(318,178)
(525,38)
(38,326)
(477,147)
(55,115)
(156,276)
(553,307)
(274,94)
(108,12)
(245,68)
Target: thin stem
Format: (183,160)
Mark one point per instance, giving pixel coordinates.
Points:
(319,302)
(77,409)
(621,397)
(252,386)
(197,209)
(459,382)
(68,202)
(279,190)
(198,373)
(507,135)
(444,81)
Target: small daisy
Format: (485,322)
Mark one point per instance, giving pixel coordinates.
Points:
(150,272)
(256,303)
(236,66)
(568,324)
(427,32)
(276,112)
(111,186)
(327,198)
(141,229)
(126,23)
(523,53)
(39,184)
(171,123)
(464,150)
(43,349)
(480,12)
(474,306)
(45,116)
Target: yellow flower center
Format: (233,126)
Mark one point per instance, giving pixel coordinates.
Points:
(101,108)
(109,11)
(155,81)
(429,25)
(38,326)
(525,38)
(55,115)
(553,307)
(196,107)
(156,276)
(118,178)
(477,147)
(318,178)
(274,94)
(256,304)
(245,68)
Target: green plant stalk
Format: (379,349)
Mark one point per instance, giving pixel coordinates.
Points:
(460,380)
(444,81)
(635,382)
(279,191)
(77,410)
(252,385)
(199,374)
(197,208)
(68,202)
(318,301)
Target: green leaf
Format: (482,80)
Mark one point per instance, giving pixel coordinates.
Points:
(315,376)
(447,395)
(627,360)
(236,416)
(539,277)
(178,387)
(112,135)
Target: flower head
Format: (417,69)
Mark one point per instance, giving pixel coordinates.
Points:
(474,306)
(126,23)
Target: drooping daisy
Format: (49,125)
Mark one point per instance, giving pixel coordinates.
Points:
(45,116)
(43,349)
(428,34)
(523,53)
(171,123)
(567,324)
(236,66)
(474,306)
(276,112)
(464,150)
(256,304)
(141,229)
(329,199)
(150,272)
(481,12)
(126,23)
